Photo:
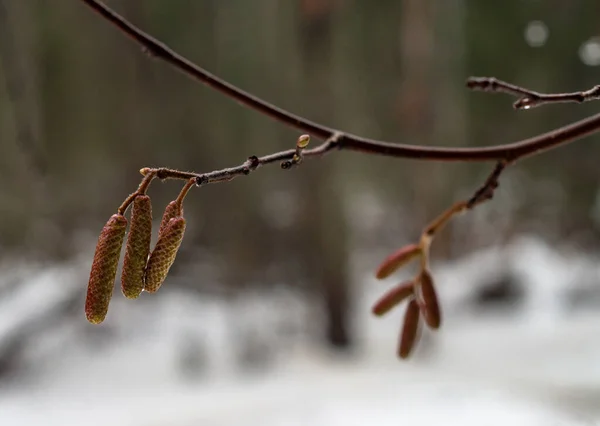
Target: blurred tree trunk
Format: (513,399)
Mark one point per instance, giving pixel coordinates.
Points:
(24,197)
(449,113)
(323,221)
(416,101)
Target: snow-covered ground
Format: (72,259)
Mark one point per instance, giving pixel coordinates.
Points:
(180,359)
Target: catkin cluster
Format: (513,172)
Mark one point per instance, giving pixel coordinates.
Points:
(419,291)
(142,269)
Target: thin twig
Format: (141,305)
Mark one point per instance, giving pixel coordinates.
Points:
(149,175)
(248,166)
(346,141)
(529,98)
(484,193)
(287,158)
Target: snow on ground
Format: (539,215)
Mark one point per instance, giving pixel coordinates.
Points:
(175,359)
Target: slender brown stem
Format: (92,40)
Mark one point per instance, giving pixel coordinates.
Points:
(346,141)
(184,191)
(248,166)
(529,98)
(484,193)
(149,175)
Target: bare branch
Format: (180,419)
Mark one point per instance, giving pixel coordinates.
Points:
(528,98)
(346,141)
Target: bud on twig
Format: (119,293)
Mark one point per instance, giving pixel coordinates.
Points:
(393,297)
(137,247)
(408,336)
(164,253)
(303,141)
(398,259)
(104,268)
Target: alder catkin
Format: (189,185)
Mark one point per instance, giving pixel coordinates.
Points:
(393,297)
(137,247)
(430,305)
(164,253)
(408,335)
(104,268)
(171,211)
(397,259)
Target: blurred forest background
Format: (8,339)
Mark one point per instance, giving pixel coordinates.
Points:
(82,109)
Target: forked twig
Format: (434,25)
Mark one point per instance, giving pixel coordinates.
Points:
(420,291)
(347,141)
(529,98)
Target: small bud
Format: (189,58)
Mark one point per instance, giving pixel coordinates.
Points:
(171,211)
(408,337)
(137,247)
(144,171)
(164,253)
(430,305)
(397,259)
(104,268)
(393,297)
(303,141)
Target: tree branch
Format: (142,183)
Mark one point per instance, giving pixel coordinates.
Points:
(346,141)
(420,290)
(529,98)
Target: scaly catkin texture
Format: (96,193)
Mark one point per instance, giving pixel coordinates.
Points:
(137,247)
(104,268)
(171,211)
(162,257)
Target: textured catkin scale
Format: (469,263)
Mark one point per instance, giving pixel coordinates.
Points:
(137,247)
(397,259)
(172,210)
(430,305)
(162,257)
(104,268)
(408,337)
(393,297)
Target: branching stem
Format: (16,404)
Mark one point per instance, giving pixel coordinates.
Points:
(346,141)
(528,98)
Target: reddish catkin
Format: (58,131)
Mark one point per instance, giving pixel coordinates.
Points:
(397,259)
(104,268)
(408,335)
(393,297)
(172,210)
(430,305)
(164,253)
(137,247)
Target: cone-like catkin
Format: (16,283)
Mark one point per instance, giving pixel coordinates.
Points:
(172,210)
(408,336)
(162,257)
(137,247)
(104,268)
(397,259)
(430,306)
(393,297)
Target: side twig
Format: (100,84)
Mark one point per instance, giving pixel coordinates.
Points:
(529,98)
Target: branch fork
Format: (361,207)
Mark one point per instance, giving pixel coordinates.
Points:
(420,290)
